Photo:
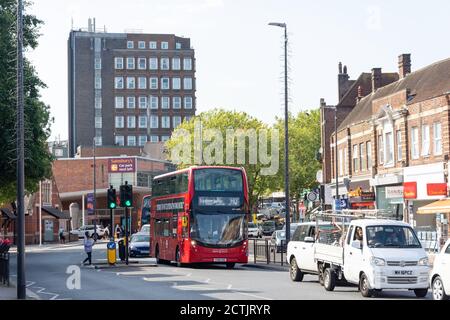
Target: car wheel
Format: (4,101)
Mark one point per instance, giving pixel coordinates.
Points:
(158,260)
(329,279)
(231,265)
(438,289)
(295,273)
(364,287)
(420,293)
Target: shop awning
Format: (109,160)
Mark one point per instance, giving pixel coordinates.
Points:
(441,206)
(8,214)
(56,213)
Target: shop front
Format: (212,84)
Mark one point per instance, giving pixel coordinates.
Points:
(361,199)
(390,198)
(441,210)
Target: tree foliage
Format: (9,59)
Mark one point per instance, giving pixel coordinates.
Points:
(37,115)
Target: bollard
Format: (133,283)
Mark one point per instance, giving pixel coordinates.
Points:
(254,250)
(267,252)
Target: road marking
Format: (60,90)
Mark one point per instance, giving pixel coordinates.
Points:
(229,287)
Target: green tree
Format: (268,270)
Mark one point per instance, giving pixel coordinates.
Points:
(216,145)
(304,143)
(37,116)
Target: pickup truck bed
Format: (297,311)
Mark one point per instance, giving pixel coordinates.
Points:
(329,253)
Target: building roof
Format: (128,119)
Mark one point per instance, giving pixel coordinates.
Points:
(429,82)
(56,213)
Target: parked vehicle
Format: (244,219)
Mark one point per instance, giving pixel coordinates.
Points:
(145,229)
(278,240)
(268,228)
(254,230)
(89,228)
(387,256)
(440,275)
(139,245)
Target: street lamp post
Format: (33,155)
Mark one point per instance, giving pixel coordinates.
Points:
(335,152)
(286,128)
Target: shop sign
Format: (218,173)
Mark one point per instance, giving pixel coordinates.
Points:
(394,192)
(437,189)
(122,165)
(363,197)
(410,190)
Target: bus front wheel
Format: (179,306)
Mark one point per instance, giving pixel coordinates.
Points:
(158,260)
(231,265)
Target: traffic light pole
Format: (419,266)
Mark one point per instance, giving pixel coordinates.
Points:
(111,231)
(126,235)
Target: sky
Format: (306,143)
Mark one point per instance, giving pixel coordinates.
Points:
(240,58)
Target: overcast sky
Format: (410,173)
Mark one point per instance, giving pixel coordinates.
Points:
(239,57)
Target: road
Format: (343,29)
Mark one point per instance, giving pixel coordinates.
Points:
(47,277)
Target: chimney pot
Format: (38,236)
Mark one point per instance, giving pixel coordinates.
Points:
(404,65)
(340,67)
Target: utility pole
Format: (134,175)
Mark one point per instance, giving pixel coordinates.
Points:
(20,159)
(95,190)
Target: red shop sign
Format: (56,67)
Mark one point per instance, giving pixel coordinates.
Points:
(410,190)
(437,189)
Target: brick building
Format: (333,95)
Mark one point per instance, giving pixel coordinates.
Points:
(128,88)
(395,143)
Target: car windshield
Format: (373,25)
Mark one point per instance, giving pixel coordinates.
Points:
(145,229)
(269,224)
(251,225)
(140,238)
(392,237)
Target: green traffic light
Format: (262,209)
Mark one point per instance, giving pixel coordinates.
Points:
(112,206)
(128,203)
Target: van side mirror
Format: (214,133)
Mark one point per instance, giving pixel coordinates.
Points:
(357,244)
(309,240)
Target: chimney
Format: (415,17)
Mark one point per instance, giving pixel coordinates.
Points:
(360,94)
(404,65)
(343,81)
(376,79)
(89,25)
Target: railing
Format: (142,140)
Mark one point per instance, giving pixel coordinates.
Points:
(429,240)
(263,251)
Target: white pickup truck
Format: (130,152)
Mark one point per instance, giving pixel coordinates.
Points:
(389,256)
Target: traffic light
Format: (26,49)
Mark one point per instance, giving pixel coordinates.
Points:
(112,199)
(126,195)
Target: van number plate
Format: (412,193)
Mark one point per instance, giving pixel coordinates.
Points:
(403,273)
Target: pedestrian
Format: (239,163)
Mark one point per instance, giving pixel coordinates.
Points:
(117,231)
(88,244)
(62,238)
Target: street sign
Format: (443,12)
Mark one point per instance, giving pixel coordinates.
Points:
(312,196)
(319,176)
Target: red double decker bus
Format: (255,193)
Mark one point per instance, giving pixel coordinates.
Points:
(199,215)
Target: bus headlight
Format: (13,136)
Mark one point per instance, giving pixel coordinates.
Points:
(193,243)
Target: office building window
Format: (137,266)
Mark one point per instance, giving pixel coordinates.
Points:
(98,103)
(120,141)
(118,63)
(142,141)
(176,83)
(425,140)
(98,141)
(165,83)
(355,158)
(164,45)
(176,64)
(187,64)
(141,44)
(153,83)
(130,44)
(154,139)
(362,156)
(165,103)
(154,102)
(120,102)
(188,103)
(165,64)
(98,83)
(389,149)
(176,121)
(176,102)
(118,83)
(131,122)
(187,84)
(98,64)
(153,63)
(187,118)
(369,155)
(143,102)
(142,83)
(178,46)
(165,138)
(152,45)
(131,102)
(437,138)
(131,141)
(165,122)
(399,146)
(380,149)
(414,143)
(130,63)
(120,122)
(154,122)
(142,63)
(142,122)
(131,83)
(98,122)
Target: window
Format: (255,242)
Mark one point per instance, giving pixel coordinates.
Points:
(98,141)
(425,140)
(154,122)
(130,44)
(165,83)
(414,143)
(142,83)
(118,62)
(141,44)
(152,45)
(176,103)
(187,64)
(164,45)
(142,63)
(380,149)
(187,118)
(177,46)
(165,64)
(176,121)
(437,132)
(153,83)
(130,63)
(399,146)
(355,158)
(188,103)
(131,83)
(362,156)
(142,141)
(98,103)
(165,122)
(142,102)
(120,141)
(165,103)
(153,63)
(165,138)
(98,122)
(176,64)
(187,84)
(131,102)
(120,102)
(154,102)
(119,122)
(98,64)
(389,138)
(341,162)
(154,139)
(142,122)
(176,83)
(369,155)
(118,83)
(131,122)
(98,83)
(131,141)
